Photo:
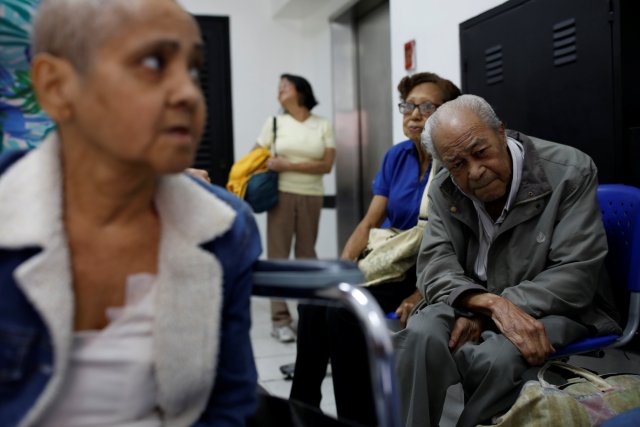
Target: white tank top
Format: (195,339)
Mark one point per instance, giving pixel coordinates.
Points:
(110,379)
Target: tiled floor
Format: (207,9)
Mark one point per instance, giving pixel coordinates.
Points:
(270,354)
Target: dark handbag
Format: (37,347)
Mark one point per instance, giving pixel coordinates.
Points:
(262,191)
(262,188)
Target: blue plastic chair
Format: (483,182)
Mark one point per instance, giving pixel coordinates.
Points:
(629,418)
(620,206)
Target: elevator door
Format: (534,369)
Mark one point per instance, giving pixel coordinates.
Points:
(375,97)
(363,98)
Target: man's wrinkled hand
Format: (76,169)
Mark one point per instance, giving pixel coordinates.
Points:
(524,331)
(465,329)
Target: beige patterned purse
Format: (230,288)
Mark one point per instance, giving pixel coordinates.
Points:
(391,252)
(586,399)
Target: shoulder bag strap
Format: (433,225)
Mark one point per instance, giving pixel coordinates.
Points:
(424,204)
(275,153)
(594,379)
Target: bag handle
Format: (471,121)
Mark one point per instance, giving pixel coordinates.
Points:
(594,379)
(273,146)
(424,203)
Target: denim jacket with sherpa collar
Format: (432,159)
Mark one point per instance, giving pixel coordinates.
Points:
(203,366)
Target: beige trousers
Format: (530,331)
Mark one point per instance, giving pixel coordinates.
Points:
(294,218)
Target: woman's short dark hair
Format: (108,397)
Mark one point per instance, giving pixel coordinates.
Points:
(449,90)
(305,93)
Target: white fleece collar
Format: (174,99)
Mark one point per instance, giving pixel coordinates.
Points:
(30,191)
(31,208)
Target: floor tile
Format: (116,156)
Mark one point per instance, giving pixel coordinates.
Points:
(269,367)
(271,354)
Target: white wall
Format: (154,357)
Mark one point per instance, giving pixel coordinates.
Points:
(262,48)
(272,37)
(434,25)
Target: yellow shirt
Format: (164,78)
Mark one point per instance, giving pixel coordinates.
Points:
(299,142)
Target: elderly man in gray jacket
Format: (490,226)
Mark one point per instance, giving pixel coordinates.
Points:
(511,264)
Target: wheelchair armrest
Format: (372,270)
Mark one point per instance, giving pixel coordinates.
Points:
(338,282)
(302,279)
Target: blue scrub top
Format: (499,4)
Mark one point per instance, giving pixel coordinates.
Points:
(397,180)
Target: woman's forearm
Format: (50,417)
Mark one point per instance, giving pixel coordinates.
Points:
(356,243)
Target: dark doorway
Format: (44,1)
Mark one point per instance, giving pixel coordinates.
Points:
(215,153)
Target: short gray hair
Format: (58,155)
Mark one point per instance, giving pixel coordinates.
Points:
(471,103)
(75,29)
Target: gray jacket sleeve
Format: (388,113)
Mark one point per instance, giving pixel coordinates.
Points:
(574,259)
(441,273)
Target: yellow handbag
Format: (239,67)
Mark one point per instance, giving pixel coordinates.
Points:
(242,170)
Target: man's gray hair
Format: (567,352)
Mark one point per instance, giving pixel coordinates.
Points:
(472,103)
(75,29)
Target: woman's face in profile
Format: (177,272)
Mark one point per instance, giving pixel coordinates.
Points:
(287,92)
(140,101)
(413,122)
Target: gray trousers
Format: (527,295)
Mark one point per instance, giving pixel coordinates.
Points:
(490,372)
(295,217)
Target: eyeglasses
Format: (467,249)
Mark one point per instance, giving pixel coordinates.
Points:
(426,109)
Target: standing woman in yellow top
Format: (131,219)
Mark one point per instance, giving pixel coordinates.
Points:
(305,152)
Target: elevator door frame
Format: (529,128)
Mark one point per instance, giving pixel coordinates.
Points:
(359,154)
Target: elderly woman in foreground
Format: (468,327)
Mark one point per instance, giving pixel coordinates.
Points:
(125,285)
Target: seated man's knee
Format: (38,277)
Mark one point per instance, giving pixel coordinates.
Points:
(495,355)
